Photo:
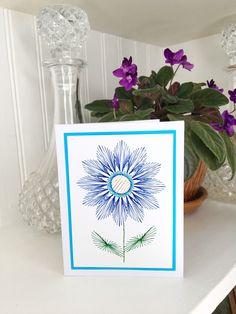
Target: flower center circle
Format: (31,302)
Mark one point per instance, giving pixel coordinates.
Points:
(120,184)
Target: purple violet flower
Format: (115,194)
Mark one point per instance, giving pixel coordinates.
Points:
(232,94)
(177,57)
(115,102)
(228,122)
(212,84)
(128,73)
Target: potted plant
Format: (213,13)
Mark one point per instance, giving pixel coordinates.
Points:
(208,133)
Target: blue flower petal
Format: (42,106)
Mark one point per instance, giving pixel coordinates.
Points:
(106,157)
(93,197)
(94,168)
(122,155)
(147,201)
(137,158)
(88,183)
(148,185)
(119,213)
(135,210)
(149,169)
(105,209)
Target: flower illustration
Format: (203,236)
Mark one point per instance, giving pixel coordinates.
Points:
(121,184)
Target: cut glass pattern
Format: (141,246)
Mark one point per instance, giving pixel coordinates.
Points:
(228,40)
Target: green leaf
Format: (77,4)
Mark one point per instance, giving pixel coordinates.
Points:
(97,114)
(209,97)
(144,114)
(185,90)
(207,144)
(101,106)
(146,91)
(106,245)
(191,160)
(210,139)
(204,153)
(198,86)
(164,75)
(130,117)
(173,117)
(121,93)
(141,239)
(230,152)
(108,117)
(168,99)
(182,106)
(146,103)
(146,82)
(125,106)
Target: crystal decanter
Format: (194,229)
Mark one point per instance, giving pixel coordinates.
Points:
(218,183)
(65,29)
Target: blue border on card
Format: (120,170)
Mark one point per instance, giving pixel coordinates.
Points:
(66,135)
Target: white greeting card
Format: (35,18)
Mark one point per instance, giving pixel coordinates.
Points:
(121,197)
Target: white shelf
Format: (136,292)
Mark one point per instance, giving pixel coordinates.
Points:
(32,281)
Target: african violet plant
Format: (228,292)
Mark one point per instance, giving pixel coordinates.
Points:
(208,134)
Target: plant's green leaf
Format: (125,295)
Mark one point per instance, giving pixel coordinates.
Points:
(125,106)
(153,77)
(146,82)
(143,78)
(208,97)
(207,114)
(210,138)
(108,117)
(146,91)
(106,245)
(97,114)
(121,93)
(130,117)
(168,99)
(230,152)
(144,114)
(141,239)
(191,160)
(164,75)
(182,106)
(146,103)
(173,117)
(233,139)
(204,153)
(185,90)
(198,86)
(101,106)
(138,115)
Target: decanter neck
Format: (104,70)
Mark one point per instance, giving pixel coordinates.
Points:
(65,81)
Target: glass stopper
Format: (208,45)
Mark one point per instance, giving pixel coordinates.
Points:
(64,28)
(228,40)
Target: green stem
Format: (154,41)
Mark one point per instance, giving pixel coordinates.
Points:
(233,109)
(114,113)
(123,242)
(174,74)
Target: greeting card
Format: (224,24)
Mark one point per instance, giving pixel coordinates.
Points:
(121,197)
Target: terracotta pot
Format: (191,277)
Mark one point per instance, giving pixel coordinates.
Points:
(194,193)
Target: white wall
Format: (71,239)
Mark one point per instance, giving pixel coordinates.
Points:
(209,59)
(26,97)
